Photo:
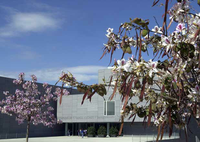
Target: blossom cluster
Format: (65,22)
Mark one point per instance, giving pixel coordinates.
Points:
(169,85)
(29,104)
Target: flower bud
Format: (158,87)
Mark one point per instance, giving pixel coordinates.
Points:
(144,32)
(128,50)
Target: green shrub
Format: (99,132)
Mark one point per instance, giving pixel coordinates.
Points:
(91,131)
(101,131)
(113,131)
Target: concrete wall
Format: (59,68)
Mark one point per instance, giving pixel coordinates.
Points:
(71,109)
(9,128)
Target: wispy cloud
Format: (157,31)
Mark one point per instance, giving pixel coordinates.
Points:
(28,55)
(18,51)
(36,17)
(81,73)
(42,6)
(28,22)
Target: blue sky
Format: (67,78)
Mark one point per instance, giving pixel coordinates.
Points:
(44,37)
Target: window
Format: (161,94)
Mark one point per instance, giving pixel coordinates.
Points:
(109,108)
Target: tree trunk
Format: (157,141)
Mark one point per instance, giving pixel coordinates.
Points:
(27,130)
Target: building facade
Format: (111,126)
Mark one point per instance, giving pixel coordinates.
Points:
(100,111)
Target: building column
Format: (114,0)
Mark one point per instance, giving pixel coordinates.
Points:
(66,129)
(79,126)
(108,128)
(76,127)
(72,129)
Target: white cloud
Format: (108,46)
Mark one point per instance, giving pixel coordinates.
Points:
(81,73)
(28,22)
(84,69)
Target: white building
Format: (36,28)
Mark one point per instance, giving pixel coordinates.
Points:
(100,112)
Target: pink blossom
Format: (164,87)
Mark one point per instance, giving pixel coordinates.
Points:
(6,92)
(16,81)
(45,85)
(59,121)
(197,89)
(34,78)
(180,27)
(65,92)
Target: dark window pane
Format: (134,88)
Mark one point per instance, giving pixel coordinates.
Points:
(111,108)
